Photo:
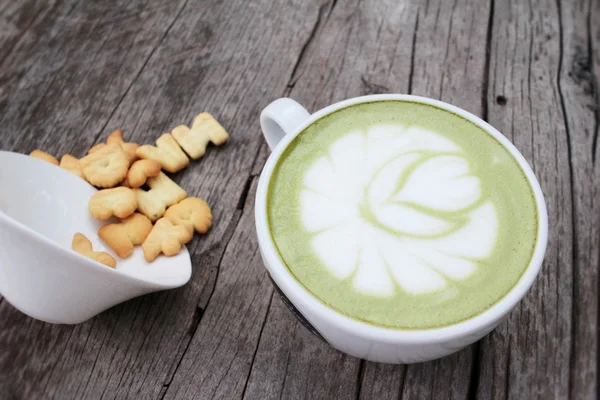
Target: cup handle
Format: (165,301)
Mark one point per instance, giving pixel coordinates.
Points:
(281,118)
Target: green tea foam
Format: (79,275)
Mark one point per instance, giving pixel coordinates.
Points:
(402,214)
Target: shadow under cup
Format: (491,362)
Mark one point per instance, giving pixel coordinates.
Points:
(346,333)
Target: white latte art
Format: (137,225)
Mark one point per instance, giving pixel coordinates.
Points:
(395,207)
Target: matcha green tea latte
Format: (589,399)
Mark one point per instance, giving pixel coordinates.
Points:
(402,214)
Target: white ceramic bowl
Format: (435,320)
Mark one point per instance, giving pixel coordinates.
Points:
(41,207)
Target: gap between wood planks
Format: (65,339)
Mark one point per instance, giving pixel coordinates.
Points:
(474,378)
(595,90)
(572,178)
(588,74)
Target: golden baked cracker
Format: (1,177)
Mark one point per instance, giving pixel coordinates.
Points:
(165,238)
(83,246)
(167,152)
(120,202)
(96,147)
(129,148)
(71,164)
(117,137)
(193,213)
(204,129)
(42,155)
(140,171)
(105,167)
(163,193)
(124,235)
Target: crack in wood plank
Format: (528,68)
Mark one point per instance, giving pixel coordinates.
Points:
(359,378)
(575,228)
(197,319)
(324,13)
(412,53)
(475,372)
(262,328)
(486,74)
(595,88)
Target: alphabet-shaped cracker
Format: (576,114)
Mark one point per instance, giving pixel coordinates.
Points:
(120,202)
(163,193)
(140,171)
(165,238)
(42,155)
(71,164)
(83,246)
(105,167)
(117,137)
(204,129)
(167,152)
(193,213)
(124,235)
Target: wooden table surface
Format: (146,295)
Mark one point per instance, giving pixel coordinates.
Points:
(72,71)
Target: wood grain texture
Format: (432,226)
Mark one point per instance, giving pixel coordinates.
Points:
(530,355)
(71,71)
(450,65)
(16,18)
(578,87)
(292,363)
(219,357)
(158,73)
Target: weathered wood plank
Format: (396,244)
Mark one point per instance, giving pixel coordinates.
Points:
(365,48)
(450,65)
(292,363)
(74,71)
(382,381)
(15,20)
(578,86)
(207,56)
(51,84)
(529,355)
(219,357)
(357,48)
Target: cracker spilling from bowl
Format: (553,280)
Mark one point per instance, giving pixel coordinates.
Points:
(151,209)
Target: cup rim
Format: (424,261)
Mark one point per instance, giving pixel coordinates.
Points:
(299,294)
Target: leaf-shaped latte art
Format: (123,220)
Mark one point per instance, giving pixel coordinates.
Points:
(397,208)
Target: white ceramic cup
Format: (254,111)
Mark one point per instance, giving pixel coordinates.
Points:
(281,122)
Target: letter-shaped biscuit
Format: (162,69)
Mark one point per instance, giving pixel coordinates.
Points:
(71,164)
(140,171)
(204,129)
(123,236)
(130,149)
(120,201)
(117,137)
(42,155)
(105,167)
(163,193)
(167,152)
(165,238)
(193,213)
(83,246)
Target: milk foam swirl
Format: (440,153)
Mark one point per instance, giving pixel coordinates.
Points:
(396,208)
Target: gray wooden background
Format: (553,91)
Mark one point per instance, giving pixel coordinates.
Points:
(71,71)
